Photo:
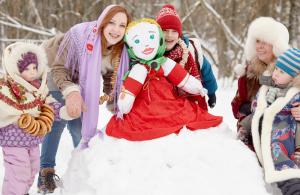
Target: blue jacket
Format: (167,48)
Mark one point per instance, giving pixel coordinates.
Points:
(209,81)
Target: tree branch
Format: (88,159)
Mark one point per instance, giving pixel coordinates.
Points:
(36,12)
(46,32)
(8,17)
(21,40)
(231,38)
(89,11)
(191,11)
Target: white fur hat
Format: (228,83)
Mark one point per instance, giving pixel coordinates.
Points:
(268,30)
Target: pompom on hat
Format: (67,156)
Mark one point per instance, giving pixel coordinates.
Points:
(167,18)
(270,31)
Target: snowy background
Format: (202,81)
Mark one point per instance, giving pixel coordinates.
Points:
(210,162)
(206,162)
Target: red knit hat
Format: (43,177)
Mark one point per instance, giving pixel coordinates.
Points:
(167,18)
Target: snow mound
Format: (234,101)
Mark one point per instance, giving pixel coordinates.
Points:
(210,162)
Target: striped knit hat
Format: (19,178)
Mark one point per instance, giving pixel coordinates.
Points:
(289,62)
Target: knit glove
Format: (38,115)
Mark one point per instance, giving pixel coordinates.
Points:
(297,157)
(212,100)
(272,94)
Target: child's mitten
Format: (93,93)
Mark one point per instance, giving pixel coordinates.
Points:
(272,94)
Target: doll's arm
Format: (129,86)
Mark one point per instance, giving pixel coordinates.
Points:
(182,79)
(132,86)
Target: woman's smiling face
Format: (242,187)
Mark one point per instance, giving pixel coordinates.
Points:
(115,29)
(264,51)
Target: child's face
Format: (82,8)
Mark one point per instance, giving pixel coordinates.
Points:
(171,38)
(280,77)
(30,73)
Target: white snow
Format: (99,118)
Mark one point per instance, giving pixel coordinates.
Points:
(209,162)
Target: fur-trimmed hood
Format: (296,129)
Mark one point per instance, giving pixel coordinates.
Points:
(268,30)
(13,53)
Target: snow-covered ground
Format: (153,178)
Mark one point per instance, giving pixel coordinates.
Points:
(210,162)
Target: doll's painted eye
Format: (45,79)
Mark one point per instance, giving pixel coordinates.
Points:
(137,41)
(151,36)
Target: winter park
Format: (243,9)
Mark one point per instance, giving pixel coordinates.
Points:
(149,97)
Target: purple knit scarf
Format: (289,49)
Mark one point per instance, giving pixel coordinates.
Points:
(83,45)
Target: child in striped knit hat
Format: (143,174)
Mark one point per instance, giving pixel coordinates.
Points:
(275,132)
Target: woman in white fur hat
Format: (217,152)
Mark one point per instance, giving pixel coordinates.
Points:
(266,40)
(27,114)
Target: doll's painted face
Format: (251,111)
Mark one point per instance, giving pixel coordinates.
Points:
(30,73)
(143,38)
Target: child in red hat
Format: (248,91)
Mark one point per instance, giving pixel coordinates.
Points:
(189,54)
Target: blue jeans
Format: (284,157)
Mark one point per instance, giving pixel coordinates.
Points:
(51,140)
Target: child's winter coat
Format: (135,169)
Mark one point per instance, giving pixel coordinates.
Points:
(19,97)
(274,134)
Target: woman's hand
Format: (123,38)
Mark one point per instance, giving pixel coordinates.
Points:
(75,104)
(296,111)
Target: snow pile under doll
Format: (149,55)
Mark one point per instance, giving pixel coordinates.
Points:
(148,101)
